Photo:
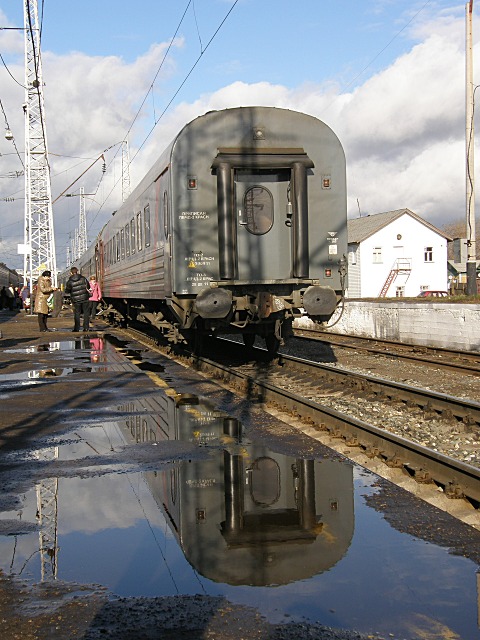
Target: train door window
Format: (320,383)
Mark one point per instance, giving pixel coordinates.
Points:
(139,230)
(117,257)
(265,484)
(122,243)
(127,239)
(258,210)
(132,235)
(146,220)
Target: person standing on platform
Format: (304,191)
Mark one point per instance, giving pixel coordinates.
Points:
(44,289)
(78,288)
(57,303)
(95,296)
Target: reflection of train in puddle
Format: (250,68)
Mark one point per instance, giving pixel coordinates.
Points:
(246,515)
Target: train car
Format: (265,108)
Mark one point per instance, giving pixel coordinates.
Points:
(9,277)
(239,227)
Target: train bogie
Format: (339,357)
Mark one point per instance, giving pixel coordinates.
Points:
(239,225)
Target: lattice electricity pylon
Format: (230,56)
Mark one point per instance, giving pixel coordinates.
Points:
(126,190)
(47,514)
(39,235)
(82,228)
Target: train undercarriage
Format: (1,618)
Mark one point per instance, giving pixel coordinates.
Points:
(220,311)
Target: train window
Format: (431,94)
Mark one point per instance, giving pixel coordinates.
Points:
(139,230)
(118,247)
(122,243)
(127,239)
(146,215)
(132,235)
(258,208)
(114,250)
(165,213)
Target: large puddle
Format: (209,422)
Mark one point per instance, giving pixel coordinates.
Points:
(295,538)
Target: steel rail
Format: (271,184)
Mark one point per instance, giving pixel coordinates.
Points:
(457,478)
(342,341)
(450,406)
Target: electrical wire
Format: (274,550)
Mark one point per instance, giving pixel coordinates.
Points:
(345,86)
(13,140)
(159,68)
(202,52)
(10,73)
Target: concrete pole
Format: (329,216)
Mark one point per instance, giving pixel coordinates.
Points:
(469,140)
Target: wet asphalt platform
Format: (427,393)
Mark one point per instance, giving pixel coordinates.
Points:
(139,500)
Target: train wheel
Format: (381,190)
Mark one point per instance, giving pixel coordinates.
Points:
(248,340)
(196,338)
(272,343)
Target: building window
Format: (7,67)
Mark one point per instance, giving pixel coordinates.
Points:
(353,256)
(400,292)
(428,254)
(377,255)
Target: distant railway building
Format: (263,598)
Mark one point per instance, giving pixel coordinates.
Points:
(395,254)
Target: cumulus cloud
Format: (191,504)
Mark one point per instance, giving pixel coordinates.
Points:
(402,129)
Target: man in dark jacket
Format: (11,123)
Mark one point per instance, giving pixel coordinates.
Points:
(77,287)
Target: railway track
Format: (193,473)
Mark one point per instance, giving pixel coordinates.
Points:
(450,359)
(324,398)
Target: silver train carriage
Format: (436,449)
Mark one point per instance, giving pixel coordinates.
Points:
(239,226)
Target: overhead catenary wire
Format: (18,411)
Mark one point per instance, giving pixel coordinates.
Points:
(13,140)
(157,120)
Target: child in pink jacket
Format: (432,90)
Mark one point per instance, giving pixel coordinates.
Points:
(95,296)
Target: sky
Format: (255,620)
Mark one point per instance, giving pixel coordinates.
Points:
(388,76)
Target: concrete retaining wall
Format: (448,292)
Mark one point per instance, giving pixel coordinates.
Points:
(453,326)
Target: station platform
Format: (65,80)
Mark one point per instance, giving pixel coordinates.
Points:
(87,373)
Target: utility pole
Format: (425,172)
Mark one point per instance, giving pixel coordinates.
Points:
(469,140)
(39,235)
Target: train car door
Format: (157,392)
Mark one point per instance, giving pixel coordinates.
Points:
(263,238)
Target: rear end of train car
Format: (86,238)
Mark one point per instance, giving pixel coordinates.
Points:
(257,228)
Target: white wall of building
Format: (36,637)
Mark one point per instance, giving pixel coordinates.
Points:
(404,239)
(435,324)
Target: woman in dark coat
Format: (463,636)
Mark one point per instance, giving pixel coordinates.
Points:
(44,289)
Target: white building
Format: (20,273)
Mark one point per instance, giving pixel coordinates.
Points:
(395,254)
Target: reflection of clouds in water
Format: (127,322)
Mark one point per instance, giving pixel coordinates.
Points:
(85,506)
(106,502)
